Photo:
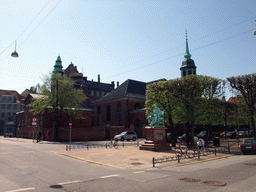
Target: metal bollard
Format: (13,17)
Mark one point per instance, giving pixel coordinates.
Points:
(215,151)
(153,162)
(198,154)
(123,144)
(106,145)
(178,158)
(69,147)
(87,147)
(66,147)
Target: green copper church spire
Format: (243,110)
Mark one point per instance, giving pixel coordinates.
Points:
(58,66)
(187,54)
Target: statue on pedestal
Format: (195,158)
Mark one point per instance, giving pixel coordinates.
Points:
(156,119)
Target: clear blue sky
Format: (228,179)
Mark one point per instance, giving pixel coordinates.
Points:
(142,40)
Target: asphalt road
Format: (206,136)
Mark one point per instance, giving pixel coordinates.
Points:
(25,166)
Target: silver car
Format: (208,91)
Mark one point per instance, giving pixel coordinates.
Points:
(126,135)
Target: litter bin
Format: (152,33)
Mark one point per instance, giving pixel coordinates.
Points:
(216,142)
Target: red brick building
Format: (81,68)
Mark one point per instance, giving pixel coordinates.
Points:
(105,113)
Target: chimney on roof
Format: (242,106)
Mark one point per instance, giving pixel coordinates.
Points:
(99,78)
(113,84)
(117,84)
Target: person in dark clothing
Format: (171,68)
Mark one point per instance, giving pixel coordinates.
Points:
(39,135)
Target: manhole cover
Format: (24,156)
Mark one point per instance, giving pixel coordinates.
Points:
(136,163)
(56,186)
(190,179)
(214,183)
(250,163)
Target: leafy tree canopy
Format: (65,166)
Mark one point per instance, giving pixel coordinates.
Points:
(57,92)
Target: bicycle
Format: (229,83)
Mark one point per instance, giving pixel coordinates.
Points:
(40,140)
(113,144)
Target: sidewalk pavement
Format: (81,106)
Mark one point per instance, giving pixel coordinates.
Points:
(132,157)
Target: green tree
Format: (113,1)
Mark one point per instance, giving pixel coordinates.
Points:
(58,93)
(246,86)
(160,93)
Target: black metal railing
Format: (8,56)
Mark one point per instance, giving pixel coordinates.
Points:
(195,154)
(94,146)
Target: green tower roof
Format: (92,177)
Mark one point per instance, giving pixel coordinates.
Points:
(187,54)
(58,66)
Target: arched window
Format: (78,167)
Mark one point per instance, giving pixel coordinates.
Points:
(119,114)
(184,73)
(99,116)
(108,113)
(189,72)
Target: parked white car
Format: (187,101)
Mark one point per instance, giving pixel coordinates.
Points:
(126,135)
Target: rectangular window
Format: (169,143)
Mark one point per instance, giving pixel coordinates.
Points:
(102,94)
(3,98)
(10,99)
(92,93)
(14,106)
(3,106)
(9,106)
(98,93)
(10,118)
(2,115)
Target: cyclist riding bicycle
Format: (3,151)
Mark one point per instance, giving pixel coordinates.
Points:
(39,135)
(200,143)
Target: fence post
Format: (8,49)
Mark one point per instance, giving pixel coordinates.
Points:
(153,162)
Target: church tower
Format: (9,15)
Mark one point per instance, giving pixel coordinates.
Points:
(58,67)
(188,65)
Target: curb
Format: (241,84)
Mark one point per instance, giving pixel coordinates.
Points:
(89,161)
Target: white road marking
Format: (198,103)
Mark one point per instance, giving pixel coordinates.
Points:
(139,172)
(70,182)
(108,176)
(24,189)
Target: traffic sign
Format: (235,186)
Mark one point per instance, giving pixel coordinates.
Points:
(34,123)
(34,119)
(70,124)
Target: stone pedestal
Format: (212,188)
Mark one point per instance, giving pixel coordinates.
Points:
(155,139)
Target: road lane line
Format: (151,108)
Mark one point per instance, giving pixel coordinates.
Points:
(70,182)
(24,189)
(108,176)
(139,172)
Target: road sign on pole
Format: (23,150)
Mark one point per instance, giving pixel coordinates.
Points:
(70,124)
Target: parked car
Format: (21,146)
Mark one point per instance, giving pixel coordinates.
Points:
(202,134)
(241,133)
(182,139)
(126,135)
(231,134)
(249,146)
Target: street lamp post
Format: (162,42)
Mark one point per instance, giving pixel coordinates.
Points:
(15,54)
